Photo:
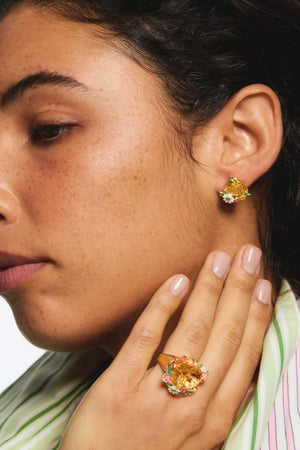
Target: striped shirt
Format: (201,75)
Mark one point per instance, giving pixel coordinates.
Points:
(271,421)
(35,410)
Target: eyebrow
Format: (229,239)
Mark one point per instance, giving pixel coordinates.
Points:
(17,91)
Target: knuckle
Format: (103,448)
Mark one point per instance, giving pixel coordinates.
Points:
(251,355)
(242,283)
(120,401)
(210,287)
(192,422)
(196,333)
(259,316)
(232,335)
(163,304)
(145,338)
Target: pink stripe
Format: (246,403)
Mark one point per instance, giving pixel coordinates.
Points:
(287,419)
(272,430)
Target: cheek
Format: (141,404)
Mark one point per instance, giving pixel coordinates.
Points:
(115,202)
(117,225)
(100,180)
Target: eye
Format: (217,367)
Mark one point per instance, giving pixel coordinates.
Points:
(48,133)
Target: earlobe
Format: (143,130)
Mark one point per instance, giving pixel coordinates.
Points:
(252,134)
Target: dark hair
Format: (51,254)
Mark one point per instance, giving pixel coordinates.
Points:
(205,51)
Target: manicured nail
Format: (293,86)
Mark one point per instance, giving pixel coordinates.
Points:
(221,264)
(251,259)
(263,291)
(179,285)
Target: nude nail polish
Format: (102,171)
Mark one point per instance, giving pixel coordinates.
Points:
(251,259)
(263,291)
(179,285)
(221,264)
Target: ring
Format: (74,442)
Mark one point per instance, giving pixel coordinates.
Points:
(182,375)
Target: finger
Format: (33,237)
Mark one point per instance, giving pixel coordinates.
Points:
(191,334)
(137,352)
(231,315)
(240,374)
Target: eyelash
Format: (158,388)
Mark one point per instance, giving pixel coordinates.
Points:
(48,133)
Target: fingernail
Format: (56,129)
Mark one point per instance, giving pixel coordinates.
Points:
(251,259)
(179,285)
(263,291)
(221,264)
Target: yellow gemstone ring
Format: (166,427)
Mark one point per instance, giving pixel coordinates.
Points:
(182,375)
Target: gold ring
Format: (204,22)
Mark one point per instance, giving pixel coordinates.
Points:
(182,375)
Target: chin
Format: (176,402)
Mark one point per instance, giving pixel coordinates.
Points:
(57,337)
(59,342)
(46,324)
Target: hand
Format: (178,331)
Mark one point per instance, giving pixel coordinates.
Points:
(222,325)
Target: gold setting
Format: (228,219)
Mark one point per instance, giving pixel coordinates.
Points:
(182,375)
(234,191)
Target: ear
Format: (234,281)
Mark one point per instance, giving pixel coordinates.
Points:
(244,138)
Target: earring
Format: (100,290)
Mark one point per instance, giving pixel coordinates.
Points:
(234,191)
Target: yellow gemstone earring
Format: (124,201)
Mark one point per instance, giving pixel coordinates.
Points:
(234,191)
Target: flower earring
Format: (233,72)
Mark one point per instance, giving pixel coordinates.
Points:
(234,191)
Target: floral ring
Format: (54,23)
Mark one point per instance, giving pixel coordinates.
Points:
(182,375)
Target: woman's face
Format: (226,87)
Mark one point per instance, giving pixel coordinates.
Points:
(92,183)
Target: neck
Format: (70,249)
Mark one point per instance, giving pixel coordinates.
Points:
(237,226)
(234,227)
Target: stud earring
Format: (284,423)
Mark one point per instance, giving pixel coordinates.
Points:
(234,191)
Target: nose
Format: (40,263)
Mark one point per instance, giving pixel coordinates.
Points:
(10,209)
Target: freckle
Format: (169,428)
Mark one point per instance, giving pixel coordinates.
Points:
(135,177)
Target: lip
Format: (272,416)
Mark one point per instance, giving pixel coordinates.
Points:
(16,269)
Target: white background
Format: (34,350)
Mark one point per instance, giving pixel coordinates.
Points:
(16,354)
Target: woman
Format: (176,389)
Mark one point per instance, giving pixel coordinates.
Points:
(120,128)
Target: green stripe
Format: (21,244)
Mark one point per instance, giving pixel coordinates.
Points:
(83,386)
(42,413)
(255,421)
(16,384)
(278,335)
(235,426)
(62,411)
(280,342)
(10,401)
(273,360)
(56,447)
(19,380)
(48,358)
(37,391)
(86,385)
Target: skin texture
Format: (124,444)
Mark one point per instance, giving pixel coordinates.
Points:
(222,325)
(112,205)
(118,198)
